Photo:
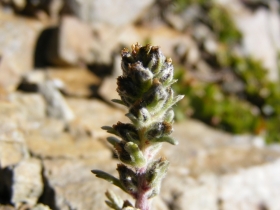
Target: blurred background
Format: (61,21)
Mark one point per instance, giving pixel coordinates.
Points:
(59,60)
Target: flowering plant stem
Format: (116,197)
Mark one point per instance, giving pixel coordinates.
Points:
(145,89)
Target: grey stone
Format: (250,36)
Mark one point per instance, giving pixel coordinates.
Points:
(254,188)
(57,107)
(167,39)
(260,30)
(101,12)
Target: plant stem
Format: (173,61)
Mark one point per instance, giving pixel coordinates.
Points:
(142,201)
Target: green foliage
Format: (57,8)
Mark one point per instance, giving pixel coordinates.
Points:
(145,89)
(255,110)
(183,4)
(207,102)
(222,25)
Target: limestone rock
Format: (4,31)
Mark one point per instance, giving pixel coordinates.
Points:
(57,107)
(71,44)
(99,13)
(78,82)
(29,109)
(14,63)
(106,92)
(220,167)
(40,207)
(167,39)
(19,113)
(27,182)
(260,30)
(64,145)
(82,190)
(254,188)
(93,114)
(50,7)
(6,207)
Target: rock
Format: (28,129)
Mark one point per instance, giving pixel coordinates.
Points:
(71,44)
(57,107)
(93,114)
(35,77)
(6,207)
(9,78)
(260,30)
(19,4)
(215,151)
(192,193)
(110,83)
(29,109)
(100,13)
(40,207)
(254,188)
(167,39)
(82,190)
(27,182)
(212,163)
(39,8)
(64,145)
(8,147)
(78,82)
(106,92)
(18,115)
(13,62)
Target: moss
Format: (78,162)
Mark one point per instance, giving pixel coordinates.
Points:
(207,102)
(255,110)
(183,4)
(223,25)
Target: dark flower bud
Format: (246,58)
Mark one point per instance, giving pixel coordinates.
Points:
(159,129)
(141,76)
(127,88)
(141,113)
(126,60)
(128,179)
(126,131)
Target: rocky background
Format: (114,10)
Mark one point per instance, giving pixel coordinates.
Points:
(58,68)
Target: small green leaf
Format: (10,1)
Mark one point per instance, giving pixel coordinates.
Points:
(118,101)
(167,139)
(128,179)
(108,177)
(109,129)
(138,159)
(114,201)
(113,140)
